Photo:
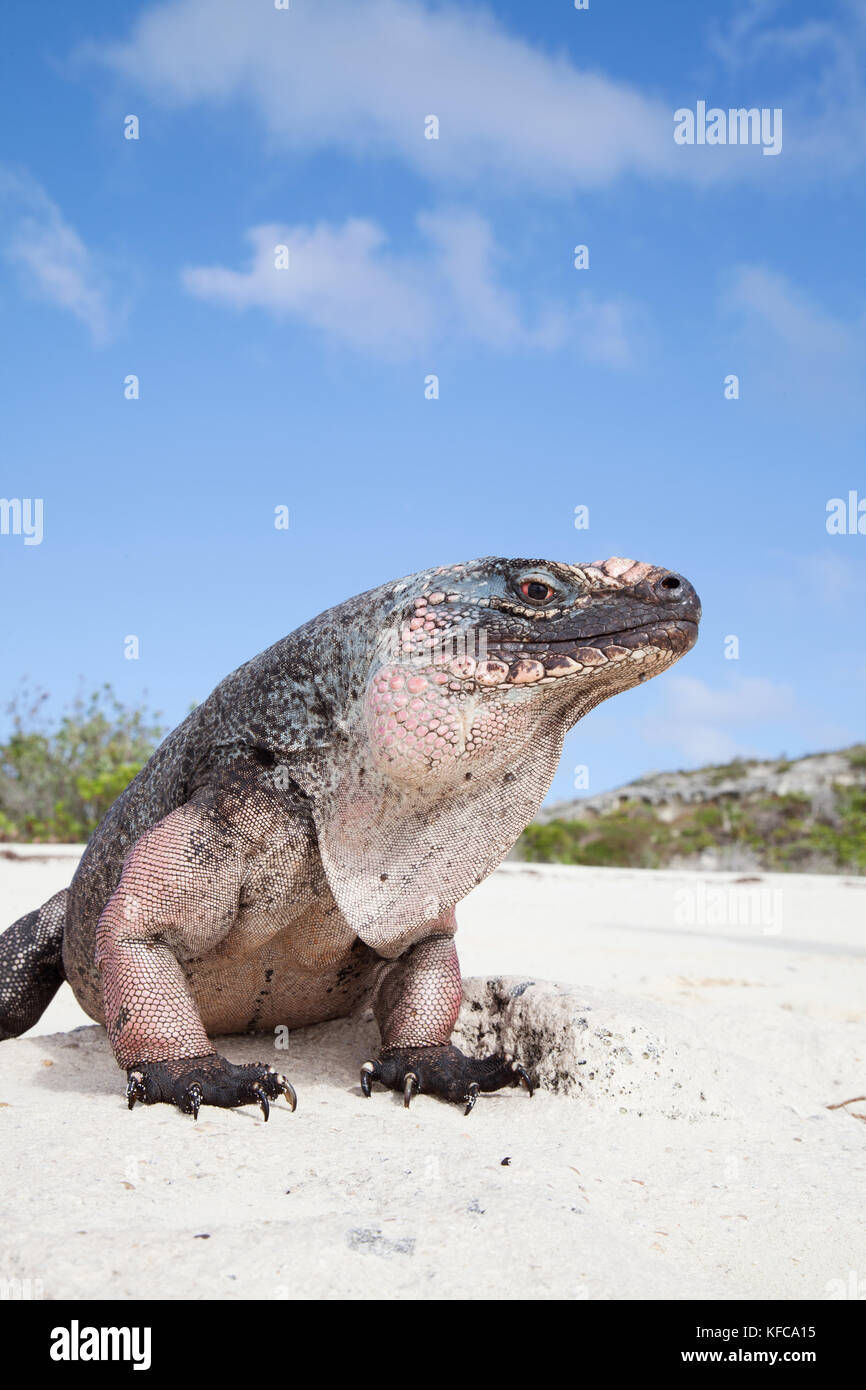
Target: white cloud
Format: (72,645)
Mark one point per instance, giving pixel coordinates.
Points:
(363,77)
(792,348)
(336,74)
(465,255)
(54,260)
(820,59)
(835,577)
(713,725)
(341,280)
(606,330)
(748,33)
(346,282)
(764,295)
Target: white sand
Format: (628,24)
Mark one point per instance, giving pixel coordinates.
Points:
(748,1186)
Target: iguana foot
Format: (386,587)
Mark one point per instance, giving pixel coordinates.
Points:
(190,1082)
(442,1071)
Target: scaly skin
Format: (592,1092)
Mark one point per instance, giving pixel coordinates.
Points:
(299,844)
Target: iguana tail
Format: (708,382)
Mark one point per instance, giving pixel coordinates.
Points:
(31,966)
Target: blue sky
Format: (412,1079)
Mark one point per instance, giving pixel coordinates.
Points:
(601,387)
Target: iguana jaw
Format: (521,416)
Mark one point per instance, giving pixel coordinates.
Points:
(433,703)
(620,659)
(611,623)
(621,655)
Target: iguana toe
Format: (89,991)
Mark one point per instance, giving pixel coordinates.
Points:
(135,1088)
(190,1082)
(442,1071)
(190,1101)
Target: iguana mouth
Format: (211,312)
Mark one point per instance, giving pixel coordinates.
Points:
(657,625)
(554,658)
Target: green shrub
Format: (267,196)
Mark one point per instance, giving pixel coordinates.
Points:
(631,835)
(782,831)
(58,780)
(723,772)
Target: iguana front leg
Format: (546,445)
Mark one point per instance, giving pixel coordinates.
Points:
(177,898)
(416,1007)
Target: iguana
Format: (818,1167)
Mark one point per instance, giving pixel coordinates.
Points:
(300,842)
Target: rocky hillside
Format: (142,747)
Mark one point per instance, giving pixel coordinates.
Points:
(807,815)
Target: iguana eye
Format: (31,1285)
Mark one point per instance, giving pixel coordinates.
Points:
(536,590)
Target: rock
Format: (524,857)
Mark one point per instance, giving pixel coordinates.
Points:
(814,777)
(800,815)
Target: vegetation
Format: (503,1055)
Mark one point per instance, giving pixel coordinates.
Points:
(57,779)
(847,841)
(631,835)
(725,771)
(781,832)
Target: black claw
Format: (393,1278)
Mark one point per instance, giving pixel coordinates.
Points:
(191,1082)
(134,1090)
(525,1079)
(440,1069)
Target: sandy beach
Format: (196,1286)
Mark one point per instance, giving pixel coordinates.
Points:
(690,1031)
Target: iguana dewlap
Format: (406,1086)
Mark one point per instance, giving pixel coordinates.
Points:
(299,844)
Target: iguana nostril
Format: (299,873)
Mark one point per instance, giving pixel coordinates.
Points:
(674,590)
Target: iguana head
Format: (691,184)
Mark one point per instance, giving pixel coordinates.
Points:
(476,659)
